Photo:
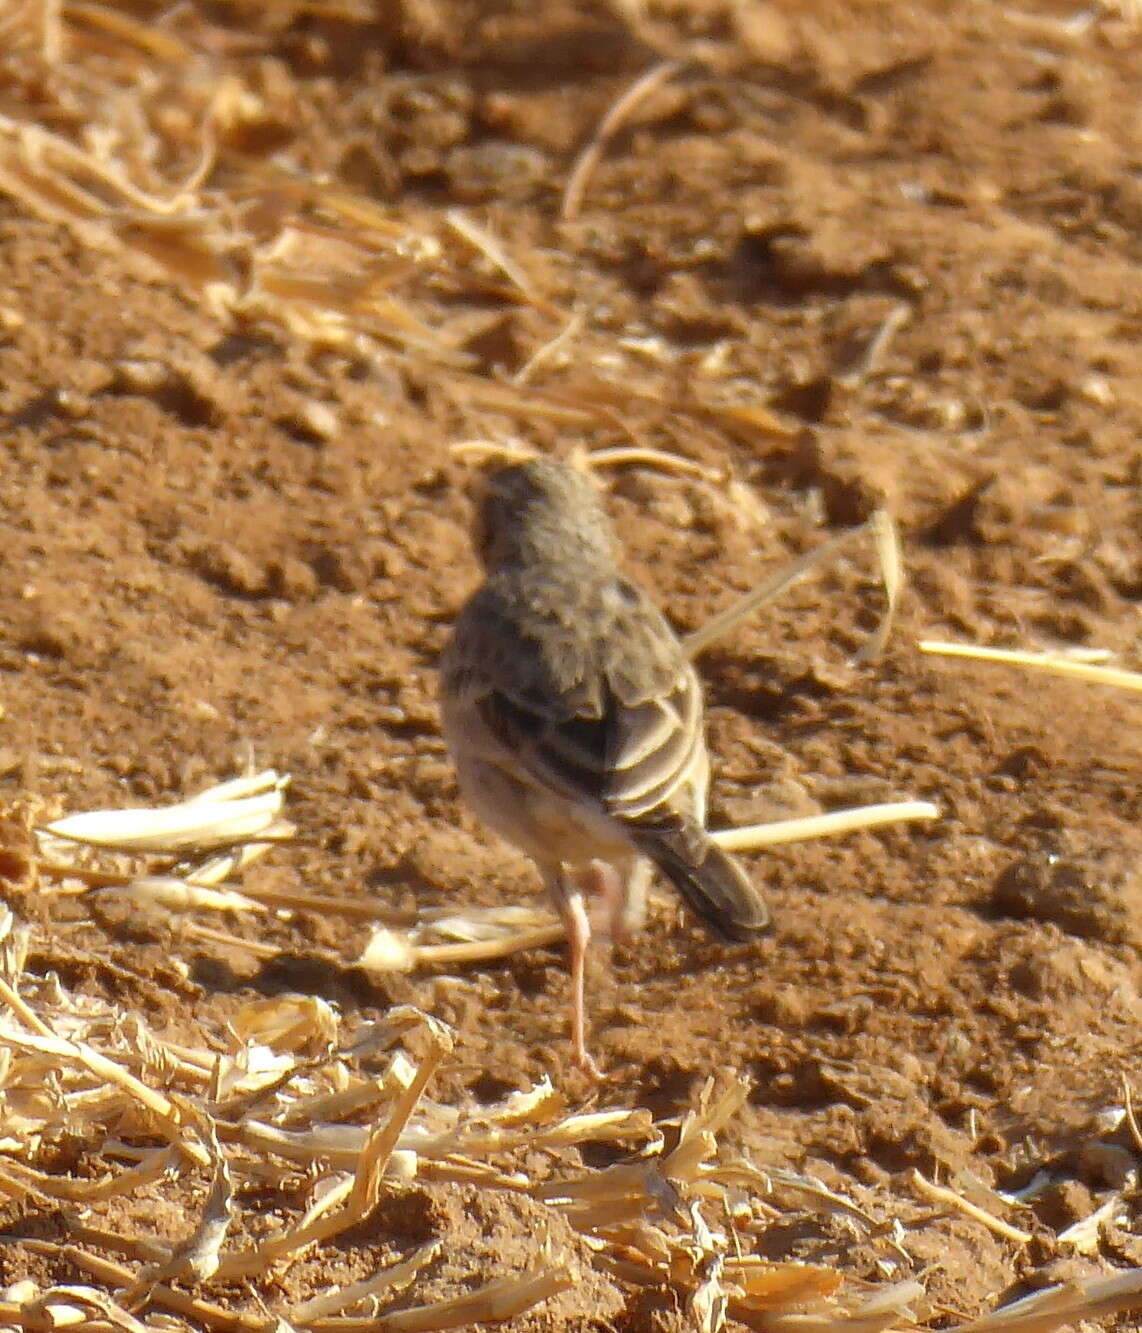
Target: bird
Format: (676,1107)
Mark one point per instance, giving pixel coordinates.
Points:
(575,719)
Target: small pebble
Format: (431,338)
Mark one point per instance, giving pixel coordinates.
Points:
(311,422)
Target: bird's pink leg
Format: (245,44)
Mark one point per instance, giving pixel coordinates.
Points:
(632,907)
(601,880)
(622,889)
(569,900)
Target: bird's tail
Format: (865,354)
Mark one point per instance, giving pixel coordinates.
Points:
(714,886)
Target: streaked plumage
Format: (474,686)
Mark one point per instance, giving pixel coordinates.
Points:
(575,718)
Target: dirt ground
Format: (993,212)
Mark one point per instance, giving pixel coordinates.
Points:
(225,539)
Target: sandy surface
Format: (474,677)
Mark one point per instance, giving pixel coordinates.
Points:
(257,549)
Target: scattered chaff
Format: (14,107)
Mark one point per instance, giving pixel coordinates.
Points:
(1063,1306)
(306,1024)
(493,1303)
(533,1122)
(70,1307)
(290,900)
(1055,664)
(291,1091)
(708,1300)
(117,1276)
(30,1019)
(609,126)
(656,458)
(66,183)
(293,1058)
(389,1281)
(482,453)
(179,895)
(551,349)
(523,402)
(949,1198)
(486,244)
(886,538)
(228,940)
(197,1257)
(735,497)
(174,858)
(454,939)
(19,1181)
(34,26)
(247,810)
(887,543)
(333,267)
(1131,1118)
(755,836)
(745,1175)
(878,346)
(159,1112)
(1085,1235)
(745,421)
(147,38)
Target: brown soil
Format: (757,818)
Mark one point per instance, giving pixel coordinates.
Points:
(200,565)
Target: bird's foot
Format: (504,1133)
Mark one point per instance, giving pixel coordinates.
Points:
(585,1061)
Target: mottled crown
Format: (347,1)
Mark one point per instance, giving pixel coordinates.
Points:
(540,510)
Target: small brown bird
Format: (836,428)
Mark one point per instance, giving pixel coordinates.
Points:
(575,718)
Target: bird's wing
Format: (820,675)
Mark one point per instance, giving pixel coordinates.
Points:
(657,736)
(594,699)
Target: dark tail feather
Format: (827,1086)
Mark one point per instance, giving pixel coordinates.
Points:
(714,886)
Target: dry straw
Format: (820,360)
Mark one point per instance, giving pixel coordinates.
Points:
(143,146)
(295,1089)
(294,1092)
(1054,664)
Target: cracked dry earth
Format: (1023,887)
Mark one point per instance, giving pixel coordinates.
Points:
(201,564)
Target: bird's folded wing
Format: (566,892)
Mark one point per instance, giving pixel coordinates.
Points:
(587,693)
(630,760)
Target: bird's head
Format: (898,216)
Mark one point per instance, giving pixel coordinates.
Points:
(537,510)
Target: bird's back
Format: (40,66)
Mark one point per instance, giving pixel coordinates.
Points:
(586,675)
